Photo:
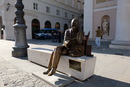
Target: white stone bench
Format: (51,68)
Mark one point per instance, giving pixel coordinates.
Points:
(78,67)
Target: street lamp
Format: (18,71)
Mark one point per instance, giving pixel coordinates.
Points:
(20,48)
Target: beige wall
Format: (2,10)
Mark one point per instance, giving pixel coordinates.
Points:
(107,3)
(97,18)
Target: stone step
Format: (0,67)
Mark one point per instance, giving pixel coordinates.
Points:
(56,80)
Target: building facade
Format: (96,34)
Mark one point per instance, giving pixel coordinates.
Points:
(98,13)
(39,14)
(113,16)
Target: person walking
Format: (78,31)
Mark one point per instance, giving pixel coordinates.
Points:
(98,37)
(59,37)
(53,38)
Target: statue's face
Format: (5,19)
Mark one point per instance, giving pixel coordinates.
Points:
(75,24)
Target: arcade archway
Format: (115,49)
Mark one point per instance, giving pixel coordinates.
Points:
(47,24)
(57,25)
(35,27)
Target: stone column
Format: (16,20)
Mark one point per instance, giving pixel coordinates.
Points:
(20,48)
(122,38)
(88,16)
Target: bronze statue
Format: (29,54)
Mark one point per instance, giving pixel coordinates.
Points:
(73,46)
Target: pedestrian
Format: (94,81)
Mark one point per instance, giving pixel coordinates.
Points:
(62,37)
(98,37)
(59,37)
(53,38)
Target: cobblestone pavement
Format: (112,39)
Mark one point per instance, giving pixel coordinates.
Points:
(12,76)
(112,67)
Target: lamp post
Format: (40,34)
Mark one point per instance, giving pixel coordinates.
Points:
(20,48)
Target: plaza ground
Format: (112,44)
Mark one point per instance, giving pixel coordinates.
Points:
(112,67)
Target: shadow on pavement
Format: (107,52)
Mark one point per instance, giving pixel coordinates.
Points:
(99,81)
(22,58)
(104,49)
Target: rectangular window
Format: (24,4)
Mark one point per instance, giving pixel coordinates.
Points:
(47,9)
(66,14)
(57,12)
(72,16)
(35,6)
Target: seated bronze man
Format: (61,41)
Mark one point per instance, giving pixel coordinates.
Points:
(73,46)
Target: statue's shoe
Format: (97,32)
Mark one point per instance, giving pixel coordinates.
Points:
(46,72)
(52,72)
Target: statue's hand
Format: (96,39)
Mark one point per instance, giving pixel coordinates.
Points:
(66,44)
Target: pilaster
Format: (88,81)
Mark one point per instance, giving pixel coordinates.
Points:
(122,39)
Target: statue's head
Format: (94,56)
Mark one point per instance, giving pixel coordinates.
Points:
(75,23)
